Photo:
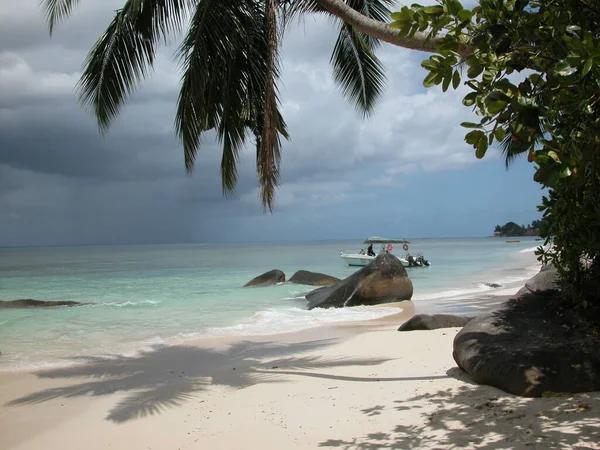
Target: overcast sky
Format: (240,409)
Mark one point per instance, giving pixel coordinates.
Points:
(405,171)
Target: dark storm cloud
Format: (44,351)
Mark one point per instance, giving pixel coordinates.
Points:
(63,182)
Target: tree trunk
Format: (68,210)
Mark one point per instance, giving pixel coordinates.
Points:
(379,30)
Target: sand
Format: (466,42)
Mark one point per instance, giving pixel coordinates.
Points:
(354,386)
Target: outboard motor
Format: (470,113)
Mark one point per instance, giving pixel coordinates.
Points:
(411,261)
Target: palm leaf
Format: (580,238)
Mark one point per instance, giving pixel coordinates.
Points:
(511,148)
(231,87)
(209,58)
(268,149)
(357,70)
(57,10)
(291,10)
(375,9)
(123,55)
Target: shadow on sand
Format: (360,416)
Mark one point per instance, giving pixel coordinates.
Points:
(166,377)
(475,416)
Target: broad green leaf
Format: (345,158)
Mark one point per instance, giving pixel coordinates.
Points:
(499,95)
(470,125)
(536,79)
(564,69)
(489,75)
(473,137)
(587,67)
(447,80)
(470,99)
(566,172)
(474,71)
(495,106)
(455,79)
(500,134)
(482,147)
(465,15)
(552,154)
(430,64)
(450,61)
(433,10)
(429,80)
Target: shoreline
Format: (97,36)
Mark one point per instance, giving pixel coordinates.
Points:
(126,325)
(473,303)
(352,385)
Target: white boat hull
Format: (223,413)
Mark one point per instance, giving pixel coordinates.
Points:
(358,260)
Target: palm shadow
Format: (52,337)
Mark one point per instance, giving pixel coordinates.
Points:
(166,377)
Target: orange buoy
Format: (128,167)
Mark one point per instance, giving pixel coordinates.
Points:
(405,247)
(389,247)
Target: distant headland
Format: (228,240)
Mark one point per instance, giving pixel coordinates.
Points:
(513,229)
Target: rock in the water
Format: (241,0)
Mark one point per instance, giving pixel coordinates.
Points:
(384,280)
(29,303)
(531,345)
(313,278)
(493,285)
(546,280)
(267,279)
(433,322)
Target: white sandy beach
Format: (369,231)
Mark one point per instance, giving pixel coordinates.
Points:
(354,386)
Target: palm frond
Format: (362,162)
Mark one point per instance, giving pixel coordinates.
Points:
(231,87)
(375,9)
(294,9)
(511,147)
(357,70)
(57,10)
(207,54)
(268,151)
(123,55)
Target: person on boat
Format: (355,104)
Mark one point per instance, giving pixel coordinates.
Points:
(370,251)
(362,251)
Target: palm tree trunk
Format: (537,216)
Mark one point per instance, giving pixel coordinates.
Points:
(378,30)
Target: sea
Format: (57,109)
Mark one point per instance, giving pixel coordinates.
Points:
(140,297)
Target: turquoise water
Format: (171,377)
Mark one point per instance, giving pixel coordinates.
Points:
(140,296)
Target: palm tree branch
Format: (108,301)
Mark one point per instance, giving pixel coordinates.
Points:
(123,55)
(268,152)
(57,10)
(119,60)
(357,70)
(511,147)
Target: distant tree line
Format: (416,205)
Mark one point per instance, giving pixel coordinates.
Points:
(513,229)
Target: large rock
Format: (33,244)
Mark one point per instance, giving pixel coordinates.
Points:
(384,280)
(268,278)
(532,345)
(29,303)
(433,322)
(546,280)
(313,278)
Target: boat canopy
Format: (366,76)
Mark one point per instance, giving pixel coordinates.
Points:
(380,240)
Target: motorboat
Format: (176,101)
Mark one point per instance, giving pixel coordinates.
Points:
(362,258)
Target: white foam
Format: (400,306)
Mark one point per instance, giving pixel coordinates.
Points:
(273,321)
(478,288)
(529,250)
(128,303)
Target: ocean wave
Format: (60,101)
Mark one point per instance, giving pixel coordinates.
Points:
(529,249)
(273,321)
(481,287)
(129,303)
